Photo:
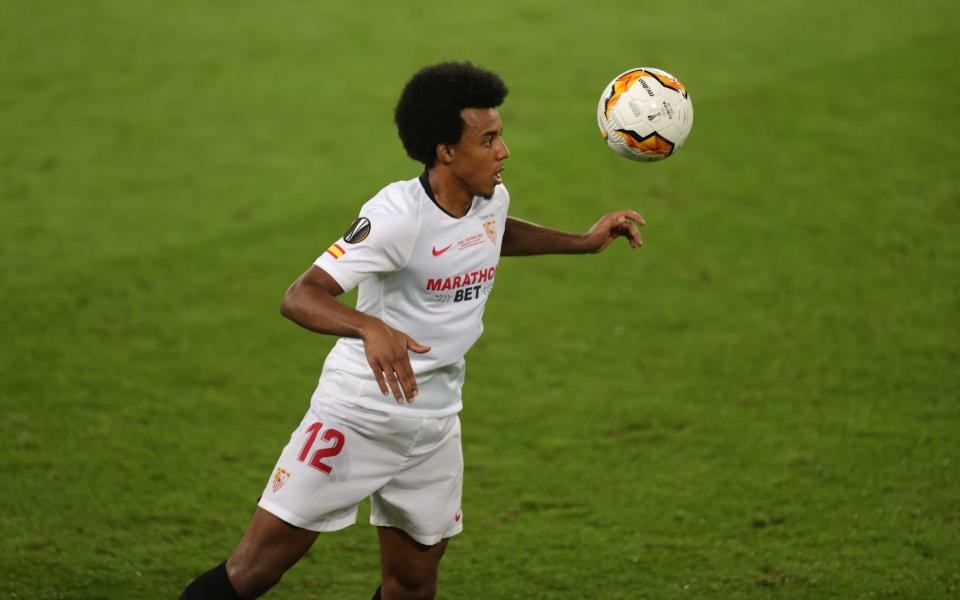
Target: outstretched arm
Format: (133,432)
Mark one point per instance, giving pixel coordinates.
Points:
(311,303)
(522,238)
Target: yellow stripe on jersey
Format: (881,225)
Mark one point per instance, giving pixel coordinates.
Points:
(336,251)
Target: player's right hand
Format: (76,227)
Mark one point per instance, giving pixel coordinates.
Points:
(387,354)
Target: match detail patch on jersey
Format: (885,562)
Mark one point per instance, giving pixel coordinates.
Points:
(336,251)
(470,241)
(358,231)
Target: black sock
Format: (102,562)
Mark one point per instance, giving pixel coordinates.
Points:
(212,585)
(376,594)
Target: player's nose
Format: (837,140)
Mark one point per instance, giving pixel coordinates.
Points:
(504,150)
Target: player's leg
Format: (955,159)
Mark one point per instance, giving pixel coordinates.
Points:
(268,549)
(419,510)
(408,569)
(327,467)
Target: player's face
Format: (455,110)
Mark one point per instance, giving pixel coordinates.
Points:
(479,155)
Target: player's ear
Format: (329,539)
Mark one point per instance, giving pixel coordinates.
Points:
(445,153)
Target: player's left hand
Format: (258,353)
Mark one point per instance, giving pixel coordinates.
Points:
(622,223)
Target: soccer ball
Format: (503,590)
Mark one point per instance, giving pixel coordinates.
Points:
(645,114)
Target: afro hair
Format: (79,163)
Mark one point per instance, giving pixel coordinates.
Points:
(428,112)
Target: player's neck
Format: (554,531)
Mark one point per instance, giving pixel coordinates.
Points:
(448,192)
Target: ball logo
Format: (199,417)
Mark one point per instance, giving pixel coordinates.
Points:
(358,231)
(652,145)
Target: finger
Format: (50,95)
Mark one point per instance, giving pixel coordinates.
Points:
(634,234)
(378,374)
(634,216)
(404,375)
(407,379)
(403,384)
(394,387)
(416,346)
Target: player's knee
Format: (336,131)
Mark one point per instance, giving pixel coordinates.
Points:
(410,587)
(252,578)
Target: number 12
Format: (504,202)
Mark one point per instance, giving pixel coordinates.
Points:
(330,434)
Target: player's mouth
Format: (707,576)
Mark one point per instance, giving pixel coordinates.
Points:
(497,177)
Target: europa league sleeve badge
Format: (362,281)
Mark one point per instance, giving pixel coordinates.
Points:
(358,231)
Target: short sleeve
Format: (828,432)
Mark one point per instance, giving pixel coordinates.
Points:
(377,242)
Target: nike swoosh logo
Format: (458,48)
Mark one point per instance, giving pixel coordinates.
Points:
(441,251)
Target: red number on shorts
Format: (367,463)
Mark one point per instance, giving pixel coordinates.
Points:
(330,434)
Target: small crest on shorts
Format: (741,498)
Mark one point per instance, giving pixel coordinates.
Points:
(280,477)
(457,517)
(358,231)
(490,226)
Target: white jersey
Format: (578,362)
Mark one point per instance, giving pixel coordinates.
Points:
(421,271)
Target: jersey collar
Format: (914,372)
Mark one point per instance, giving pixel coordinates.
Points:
(425,182)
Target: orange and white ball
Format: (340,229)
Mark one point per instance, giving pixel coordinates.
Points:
(645,114)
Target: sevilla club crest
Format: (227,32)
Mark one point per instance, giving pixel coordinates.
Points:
(280,477)
(490,226)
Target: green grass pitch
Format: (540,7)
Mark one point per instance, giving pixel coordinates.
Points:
(762,402)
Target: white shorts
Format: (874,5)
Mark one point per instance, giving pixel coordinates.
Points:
(412,468)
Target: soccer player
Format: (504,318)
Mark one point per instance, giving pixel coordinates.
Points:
(383,422)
